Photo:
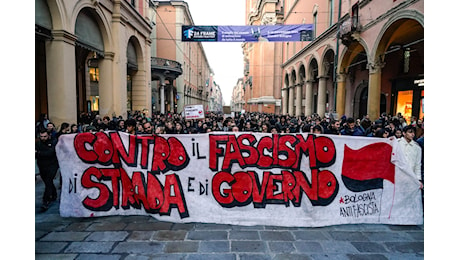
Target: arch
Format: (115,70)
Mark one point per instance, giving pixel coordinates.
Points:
(293,78)
(286,80)
(400,48)
(312,74)
(104,25)
(350,54)
(360,100)
(87,31)
(90,50)
(302,73)
(43,15)
(327,63)
(57,12)
(403,25)
(132,54)
(327,56)
(136,72)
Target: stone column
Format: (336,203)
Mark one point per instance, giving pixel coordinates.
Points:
(322,96)
(171,99)
(61,78)
(162,96)
(107,96)
(291,100)
(340,107)
(298,101)
(114,91)
(285,101)
(373,100)
(308,98)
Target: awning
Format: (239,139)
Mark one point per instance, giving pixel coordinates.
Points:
(88,34)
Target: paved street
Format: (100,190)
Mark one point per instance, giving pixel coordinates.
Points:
(143,237)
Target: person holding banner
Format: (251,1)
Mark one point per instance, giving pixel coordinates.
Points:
(412,151)
(47,162)
(169,129)
(148,129)
(131,126)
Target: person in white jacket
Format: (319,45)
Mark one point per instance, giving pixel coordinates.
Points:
(412,151)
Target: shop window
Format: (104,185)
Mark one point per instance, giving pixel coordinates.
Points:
(94,74)
(94,103)
(404,104)
(422,105)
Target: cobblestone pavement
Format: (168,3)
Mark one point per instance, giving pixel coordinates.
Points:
(143,237)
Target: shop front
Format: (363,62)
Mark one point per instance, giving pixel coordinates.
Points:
(408,98)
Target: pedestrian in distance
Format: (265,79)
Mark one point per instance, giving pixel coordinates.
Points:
(266,128)
(382,133)
(398,133)
(333,128)
(179,129)
(51,128)
(317,129)
(169,127)
(351,128)
(74,129)
(41,123)
(65,129)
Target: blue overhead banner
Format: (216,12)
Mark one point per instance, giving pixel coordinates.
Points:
(248,33)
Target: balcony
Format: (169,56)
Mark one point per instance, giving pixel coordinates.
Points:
(169,69)
(349,31)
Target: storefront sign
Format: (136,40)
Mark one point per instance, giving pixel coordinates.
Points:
(238,178)
(419,82)
(248,33)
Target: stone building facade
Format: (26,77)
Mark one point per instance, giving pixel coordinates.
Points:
(192,85)
(91,56)
(366,58)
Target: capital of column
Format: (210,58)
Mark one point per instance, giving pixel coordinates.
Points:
(375,67)
(109,55)
(341,77)
(65,36)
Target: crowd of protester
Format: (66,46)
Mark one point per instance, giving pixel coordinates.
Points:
(138,123)
(386,126)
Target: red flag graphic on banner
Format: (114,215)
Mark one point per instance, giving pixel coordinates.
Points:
(366,168)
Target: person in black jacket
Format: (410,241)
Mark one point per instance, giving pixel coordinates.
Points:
(333,128)
(45,153)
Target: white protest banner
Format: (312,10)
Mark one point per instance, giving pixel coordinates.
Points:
(194,112)
(238,178)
